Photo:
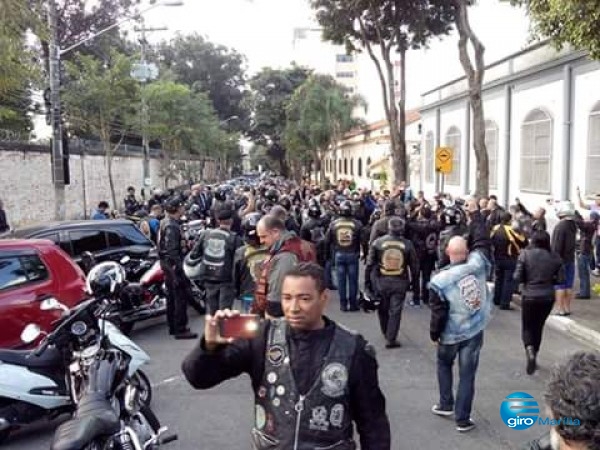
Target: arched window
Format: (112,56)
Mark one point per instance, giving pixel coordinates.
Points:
(351,166)
(345,166)
(368,169)
(536,152)
(592,176)
(491,145)
(453,140)
(360,167)
(429,157)
(340,166)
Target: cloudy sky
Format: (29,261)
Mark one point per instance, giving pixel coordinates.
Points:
(262,30)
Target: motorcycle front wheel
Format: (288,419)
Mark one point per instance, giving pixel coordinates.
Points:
(142,383)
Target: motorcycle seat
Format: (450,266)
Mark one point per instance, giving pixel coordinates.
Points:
(95,418)
(26,358)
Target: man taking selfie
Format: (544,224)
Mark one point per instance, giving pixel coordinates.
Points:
(312,379)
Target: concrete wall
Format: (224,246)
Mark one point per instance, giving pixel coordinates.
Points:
(28,193)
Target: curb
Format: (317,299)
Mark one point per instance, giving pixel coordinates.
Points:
(569,326)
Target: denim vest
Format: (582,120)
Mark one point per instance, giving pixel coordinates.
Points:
(469,298)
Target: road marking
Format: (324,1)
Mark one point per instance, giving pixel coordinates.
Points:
(168,381)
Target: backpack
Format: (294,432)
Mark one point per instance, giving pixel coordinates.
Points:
(217,257)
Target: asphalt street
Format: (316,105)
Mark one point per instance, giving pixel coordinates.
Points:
(220,419)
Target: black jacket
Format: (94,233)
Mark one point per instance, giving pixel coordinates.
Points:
(425,235)
(3,222)
(169,241)
(564,240)
(204,370)
(539,270)
(587,231)
(507,243)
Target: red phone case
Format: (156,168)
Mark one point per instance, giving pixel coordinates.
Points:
(244,326)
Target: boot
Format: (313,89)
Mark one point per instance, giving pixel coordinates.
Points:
(531,363)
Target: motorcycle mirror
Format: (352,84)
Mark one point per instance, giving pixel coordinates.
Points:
(30,333)
(125,259)
(51,303)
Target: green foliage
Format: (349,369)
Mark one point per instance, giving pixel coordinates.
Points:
(185,122)
(319,112)
(211,68)
(272,91)
(102,99)
(17,70)
(567,22)
(406,23)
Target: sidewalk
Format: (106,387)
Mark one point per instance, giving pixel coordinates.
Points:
(584,322)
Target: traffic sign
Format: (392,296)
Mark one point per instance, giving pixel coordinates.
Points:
(443,160)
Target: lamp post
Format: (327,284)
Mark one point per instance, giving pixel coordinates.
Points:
(58,173)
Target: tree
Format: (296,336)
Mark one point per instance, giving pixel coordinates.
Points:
(102,101)
(566,23)
(474,71)
(272,91)
(318,115)
(382,27)
(215,69)
(185,123)
(18,71)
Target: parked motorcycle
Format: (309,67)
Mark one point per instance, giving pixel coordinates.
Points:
(111,413)
(49,380)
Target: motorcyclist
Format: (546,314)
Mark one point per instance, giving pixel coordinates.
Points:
(343,242)
(454,223)
(170,250)
(314,229)
(392,258)
(391,209)
(248,261)
(130,202)
(214,252)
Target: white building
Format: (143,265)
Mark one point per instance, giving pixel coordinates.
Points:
(364,156)
(542,111)
(309,50)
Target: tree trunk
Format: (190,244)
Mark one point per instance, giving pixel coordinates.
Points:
(400,159)
(475,80)
(111,182)
(397,144)
(321,166)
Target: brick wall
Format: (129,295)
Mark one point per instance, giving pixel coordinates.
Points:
(28,193)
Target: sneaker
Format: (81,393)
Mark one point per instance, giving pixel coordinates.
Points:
(185,335)
(464,426)
(596,272)
(441,412)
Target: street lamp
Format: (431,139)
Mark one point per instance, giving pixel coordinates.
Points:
(55,54)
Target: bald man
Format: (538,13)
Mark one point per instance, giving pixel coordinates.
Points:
(461,305)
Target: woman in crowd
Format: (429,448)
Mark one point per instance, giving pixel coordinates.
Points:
(539,269)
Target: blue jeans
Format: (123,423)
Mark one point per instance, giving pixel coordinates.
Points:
(468,360)
(347,278)
(583,271)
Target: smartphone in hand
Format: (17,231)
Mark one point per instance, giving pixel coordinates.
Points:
(244,326)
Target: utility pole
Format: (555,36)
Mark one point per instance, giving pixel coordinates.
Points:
(146,75)
(58,174)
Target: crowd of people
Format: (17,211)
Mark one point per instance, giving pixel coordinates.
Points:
(280,249)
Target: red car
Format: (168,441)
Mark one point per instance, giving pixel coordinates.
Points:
(31,270)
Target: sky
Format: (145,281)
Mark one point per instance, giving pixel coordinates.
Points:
(262,30)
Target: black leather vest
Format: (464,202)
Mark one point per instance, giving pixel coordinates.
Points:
(318,420)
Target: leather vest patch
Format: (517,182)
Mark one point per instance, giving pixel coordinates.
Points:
(392,261)
(318,419)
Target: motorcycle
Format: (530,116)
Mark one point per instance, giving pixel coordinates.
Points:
(111,412)
(48,381)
